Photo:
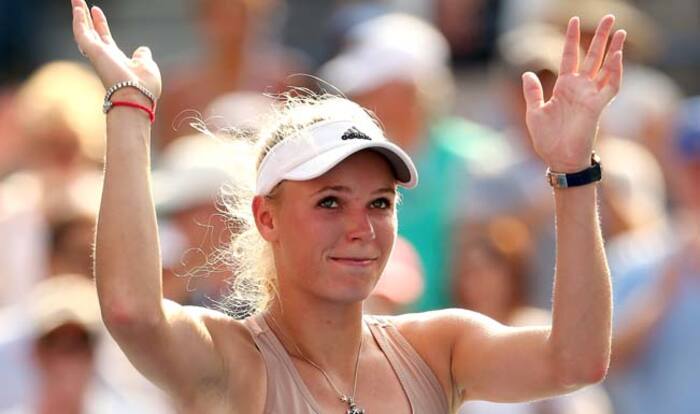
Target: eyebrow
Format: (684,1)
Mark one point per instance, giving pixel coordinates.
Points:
(344,189)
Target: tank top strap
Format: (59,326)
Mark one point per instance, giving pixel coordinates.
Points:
(418,380)
(286,391)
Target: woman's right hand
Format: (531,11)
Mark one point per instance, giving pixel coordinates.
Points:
(92,35)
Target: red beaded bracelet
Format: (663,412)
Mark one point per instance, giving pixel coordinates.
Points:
(151,112)
(108,104)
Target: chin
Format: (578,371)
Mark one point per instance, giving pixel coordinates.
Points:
(351,286)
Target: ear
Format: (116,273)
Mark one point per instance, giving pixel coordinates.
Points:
(262,211)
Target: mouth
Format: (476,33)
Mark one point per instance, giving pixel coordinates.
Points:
(354,261)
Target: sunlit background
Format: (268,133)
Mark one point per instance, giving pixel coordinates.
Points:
(443,77)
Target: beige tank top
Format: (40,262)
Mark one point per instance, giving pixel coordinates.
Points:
(287,393)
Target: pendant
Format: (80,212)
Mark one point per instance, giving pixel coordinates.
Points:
(352,407)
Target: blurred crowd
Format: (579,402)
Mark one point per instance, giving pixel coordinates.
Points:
(443,78)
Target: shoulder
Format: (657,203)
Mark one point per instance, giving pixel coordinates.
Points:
(243,363)
(434,335)
(445,325)
(225,331)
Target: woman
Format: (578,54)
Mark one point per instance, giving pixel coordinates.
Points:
(330,236)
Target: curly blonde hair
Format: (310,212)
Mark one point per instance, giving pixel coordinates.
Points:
(254,283)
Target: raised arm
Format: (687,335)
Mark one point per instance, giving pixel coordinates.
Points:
(563,133)
(172,345)
(490,361)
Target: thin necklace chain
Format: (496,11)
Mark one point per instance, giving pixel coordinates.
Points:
(350,399)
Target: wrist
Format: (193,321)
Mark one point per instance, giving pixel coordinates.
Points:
(591,173)
(570,167)
(131,95)
(128,116)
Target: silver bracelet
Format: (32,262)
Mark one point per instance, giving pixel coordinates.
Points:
(107,105)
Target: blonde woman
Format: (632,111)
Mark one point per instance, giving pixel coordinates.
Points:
(323,221)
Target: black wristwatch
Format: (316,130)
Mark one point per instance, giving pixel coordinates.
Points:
(589,175)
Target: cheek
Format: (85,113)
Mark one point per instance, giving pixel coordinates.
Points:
(385,232)
(305,235)
(388,230)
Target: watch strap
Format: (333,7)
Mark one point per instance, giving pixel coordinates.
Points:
(587,176)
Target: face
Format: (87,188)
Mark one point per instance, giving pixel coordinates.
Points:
(332,236)
(65,357)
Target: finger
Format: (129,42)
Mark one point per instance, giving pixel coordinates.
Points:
(81,30)
(615,46)
(617,42)
(86,10)
(611,78)
(569,58)
(101,26)
(596,51)
(532,91)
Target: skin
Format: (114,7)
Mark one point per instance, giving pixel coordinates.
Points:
(209,362)
(66,368)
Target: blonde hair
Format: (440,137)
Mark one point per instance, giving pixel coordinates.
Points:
(64,94)
(254,283)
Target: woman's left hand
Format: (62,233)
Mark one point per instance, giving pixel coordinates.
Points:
(563,129)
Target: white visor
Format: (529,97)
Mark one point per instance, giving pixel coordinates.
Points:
(313,151)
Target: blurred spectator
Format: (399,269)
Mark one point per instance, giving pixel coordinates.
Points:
(186,185)
(60,117)
(65,321)
(60,129)
(10,141)
(633,193)
(657,296)
(401,283)
(396,66)
(516,13)
(470,27)
(686,156)
(518,187)
(643,37)
(489,277)
(72,226)
(57,360)
(344,19)
(24,257)
(644,108)
(489,272)
(644,111)
(240,52)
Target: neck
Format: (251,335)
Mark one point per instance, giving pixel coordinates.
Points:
(329,334)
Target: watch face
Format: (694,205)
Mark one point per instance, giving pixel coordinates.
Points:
(557,180)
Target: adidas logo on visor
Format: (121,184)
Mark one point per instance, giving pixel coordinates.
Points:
(354,133)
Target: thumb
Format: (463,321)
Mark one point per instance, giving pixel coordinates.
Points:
(142,53)
(532,91)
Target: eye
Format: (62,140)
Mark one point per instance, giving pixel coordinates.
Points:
(381,203)
(328,202)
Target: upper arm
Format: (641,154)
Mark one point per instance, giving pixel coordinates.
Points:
(494,362)
(188,350)
(478,358)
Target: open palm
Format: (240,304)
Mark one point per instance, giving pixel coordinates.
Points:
(563,129)
(93,37)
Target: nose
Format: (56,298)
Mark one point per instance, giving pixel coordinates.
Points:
(360,226)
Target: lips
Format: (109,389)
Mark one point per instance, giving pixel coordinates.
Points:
(354,261)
